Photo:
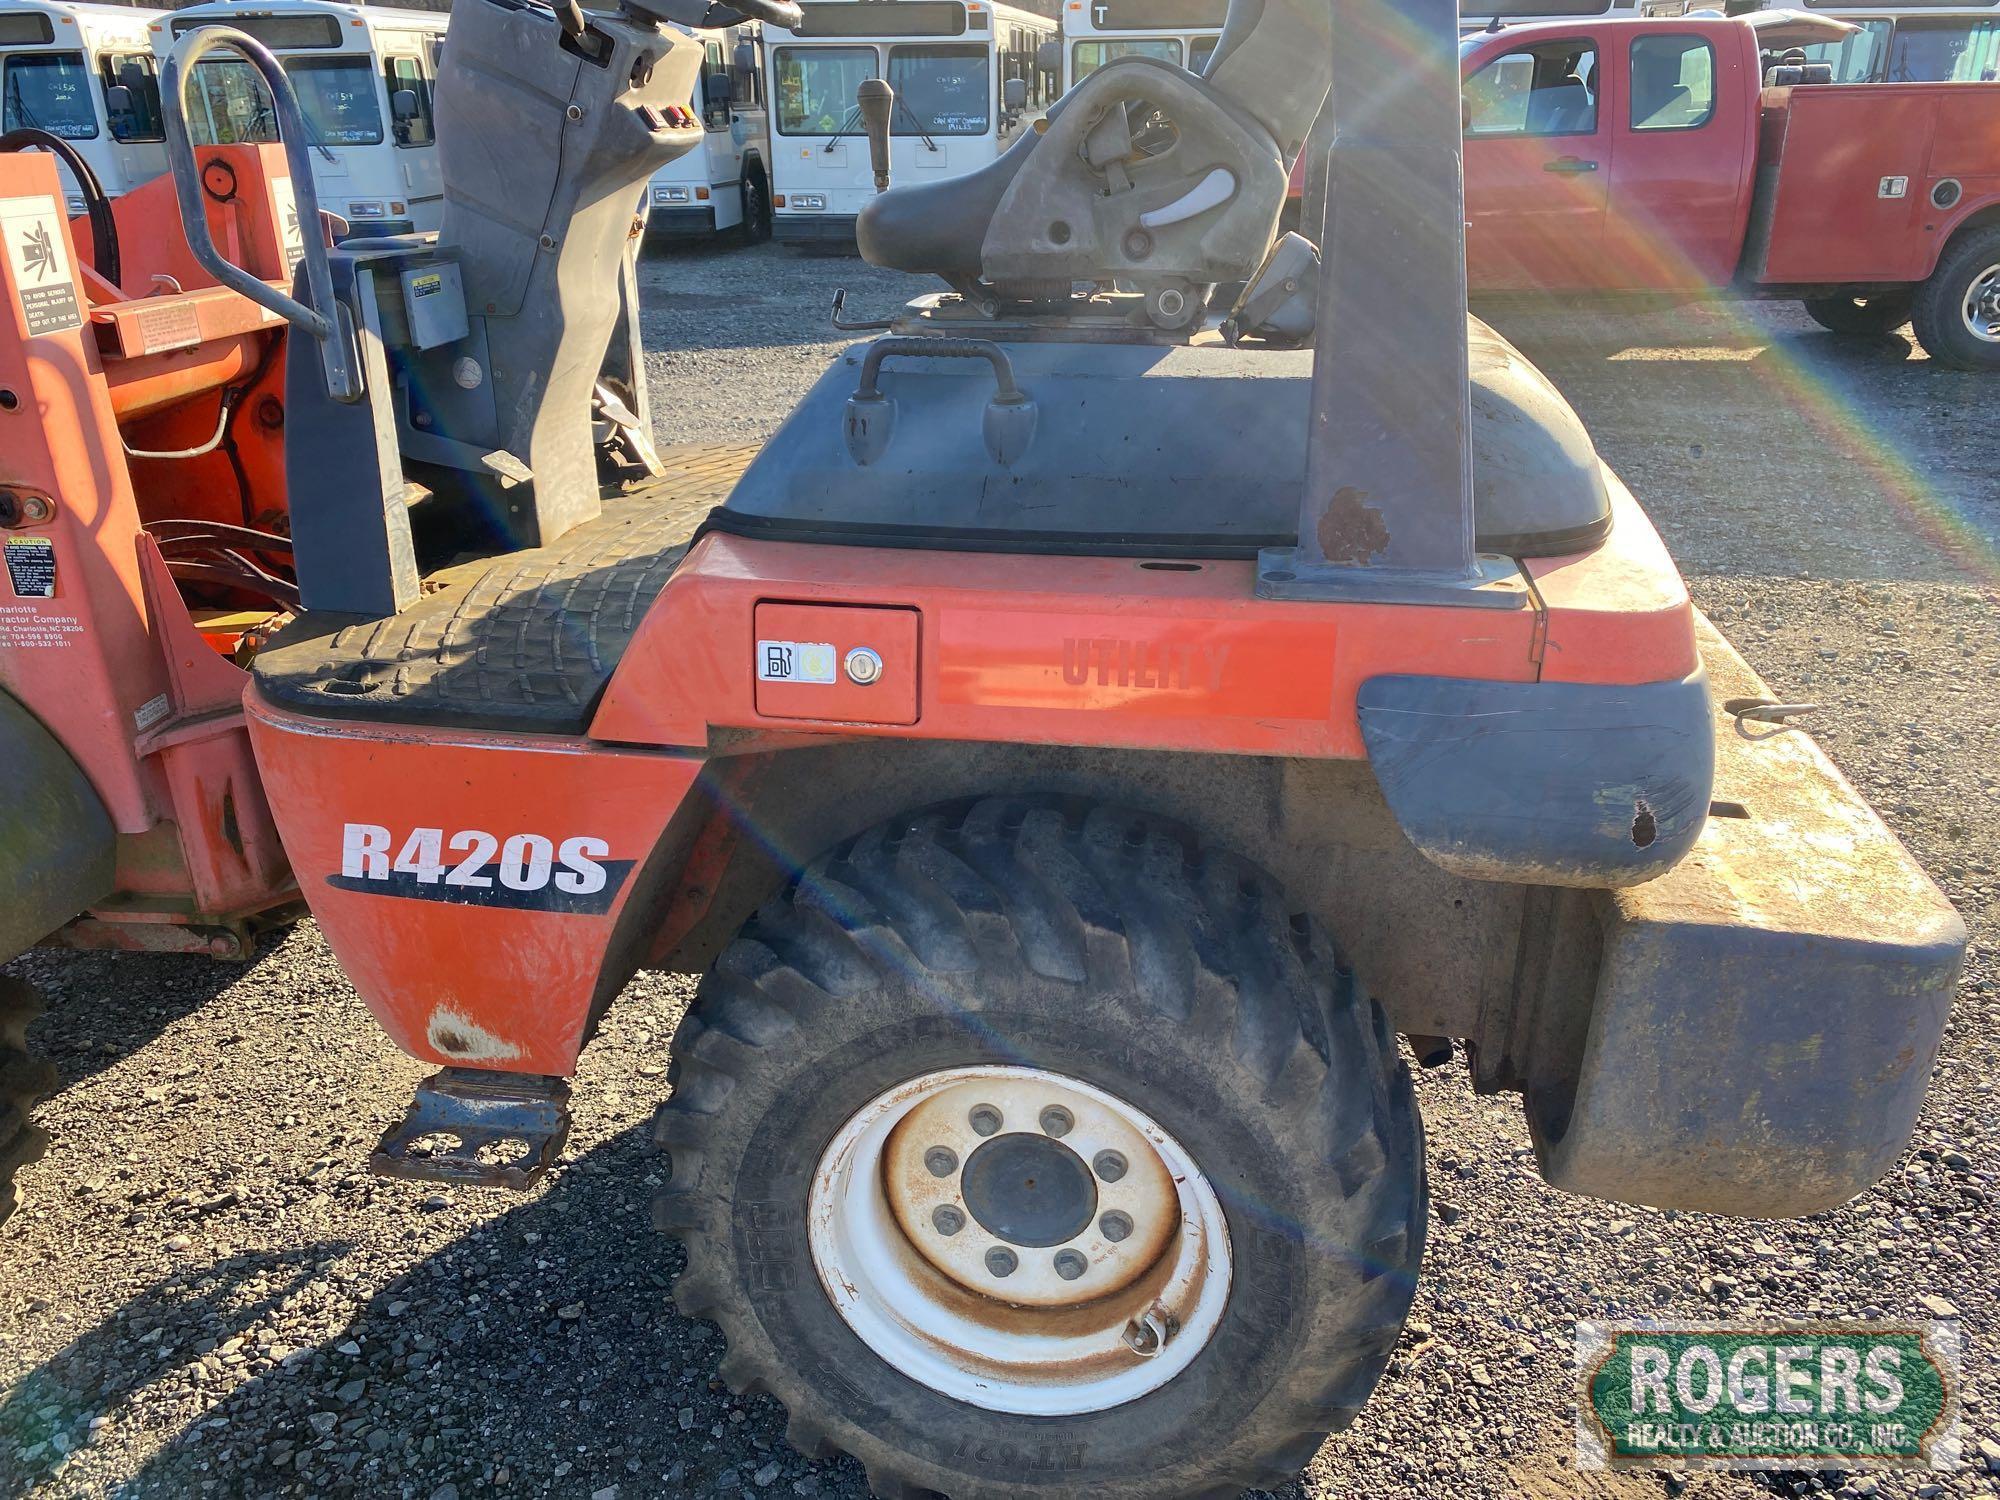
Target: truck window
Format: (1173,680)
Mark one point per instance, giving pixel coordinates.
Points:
(941,90)
(1856,58)
(816,89)
(406,74)
(138,75)
(48,91)
(1087,57)
(1944,52)
(1550,89)
(1673,82)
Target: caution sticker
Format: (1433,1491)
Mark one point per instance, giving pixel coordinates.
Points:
(31,566)
(290,230)
(44,284)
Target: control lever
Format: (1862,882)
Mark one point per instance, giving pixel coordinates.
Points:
(877,102)
(323,319)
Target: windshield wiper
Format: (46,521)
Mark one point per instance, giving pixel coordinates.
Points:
(845,128)
(916,124)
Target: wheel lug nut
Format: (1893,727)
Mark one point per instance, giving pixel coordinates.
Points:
(1057,1121)
(984,1119)
(947,1219)
(1108,1165)
(1070,1264)
(1114,1226)
(941,1160)
(1001,1261)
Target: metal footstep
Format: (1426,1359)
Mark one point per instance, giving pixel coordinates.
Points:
(500,1130)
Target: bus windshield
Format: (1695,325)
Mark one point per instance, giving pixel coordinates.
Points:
(941,90)
(816,89)
(337,95)
(1087,57)
(48,91)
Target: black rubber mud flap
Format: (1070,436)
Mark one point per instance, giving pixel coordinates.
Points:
(1543,783)
(1105,946)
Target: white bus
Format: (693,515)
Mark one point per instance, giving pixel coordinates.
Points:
(85,74)
(725,182)
(1896,43)
(1095,32)
(364,76)
(954,64)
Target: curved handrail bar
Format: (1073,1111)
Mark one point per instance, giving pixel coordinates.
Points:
(337,358)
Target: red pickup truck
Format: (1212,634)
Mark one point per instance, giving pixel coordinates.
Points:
(1684,158)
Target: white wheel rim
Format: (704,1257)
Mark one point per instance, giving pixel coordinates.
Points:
(1078,1324)
(1981,308)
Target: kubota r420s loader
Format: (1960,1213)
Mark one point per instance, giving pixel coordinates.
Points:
(1089,732)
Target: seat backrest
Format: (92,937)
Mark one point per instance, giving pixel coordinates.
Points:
(1273,61)
(1558,110)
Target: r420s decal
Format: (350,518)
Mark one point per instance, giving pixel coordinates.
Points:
(471,867)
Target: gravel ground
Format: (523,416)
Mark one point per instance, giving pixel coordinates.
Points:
(207,1294)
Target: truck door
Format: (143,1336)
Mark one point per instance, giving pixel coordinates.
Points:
(1537,160)
(1679,111)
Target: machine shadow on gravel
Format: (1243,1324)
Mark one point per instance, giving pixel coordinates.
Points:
(572,1368)
(82,1036)
(150,1339)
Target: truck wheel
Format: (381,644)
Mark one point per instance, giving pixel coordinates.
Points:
(1026,1148)
(756,208)
(23,1080)
(1865,316)
(1957,312)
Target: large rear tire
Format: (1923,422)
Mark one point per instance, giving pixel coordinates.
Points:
(23,1080)
(1079,970)
(1868,317)
(1957,313)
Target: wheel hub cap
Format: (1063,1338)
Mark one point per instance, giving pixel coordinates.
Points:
(1028,1190)
(1982,306)
(1019,1240)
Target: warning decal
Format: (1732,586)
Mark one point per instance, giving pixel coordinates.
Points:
(31,566)
(289,228)
(39,263)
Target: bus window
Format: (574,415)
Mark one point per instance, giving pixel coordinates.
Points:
(816,89)
(336,94)
(1944,51)
(338,97)
(138,75)
(1087,57)
(1856,58)
(715,115)
(941,90)
(1200,50)
(406,74)
(48,91)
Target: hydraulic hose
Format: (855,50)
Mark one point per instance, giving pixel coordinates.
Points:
(103,227)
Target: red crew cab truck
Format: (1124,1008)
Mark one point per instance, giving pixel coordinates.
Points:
(1684,157)
(1687,158)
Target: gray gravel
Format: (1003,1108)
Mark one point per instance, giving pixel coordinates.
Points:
(207,1294)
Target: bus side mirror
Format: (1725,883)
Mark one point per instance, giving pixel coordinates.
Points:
(1014,95)
(1048,57)
(403,105)
(719,89)
(746,58)
(118,101)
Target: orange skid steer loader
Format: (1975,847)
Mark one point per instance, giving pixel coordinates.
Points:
(1096,725)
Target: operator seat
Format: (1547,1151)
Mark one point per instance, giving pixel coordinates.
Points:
(1091,198)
